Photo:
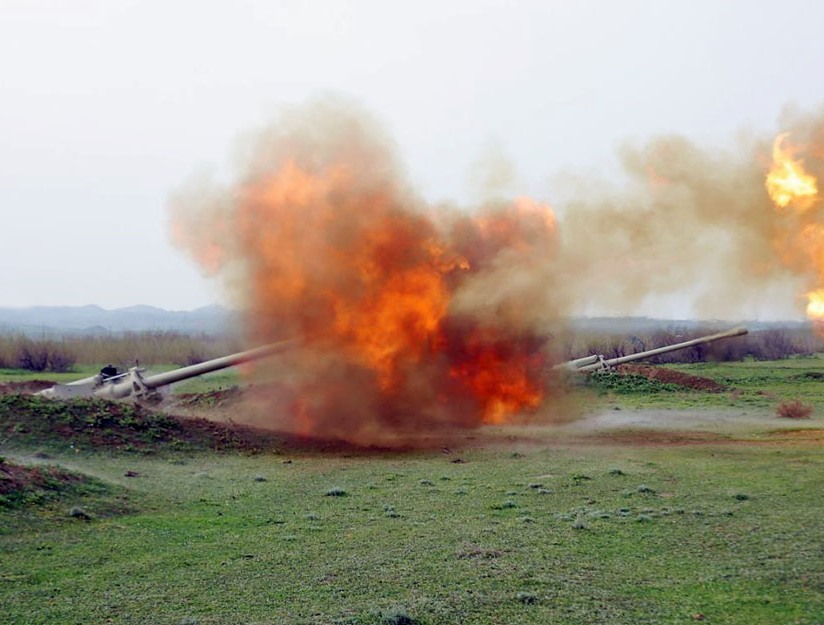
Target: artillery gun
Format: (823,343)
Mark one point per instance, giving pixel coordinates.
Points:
(133,383)
(597,362)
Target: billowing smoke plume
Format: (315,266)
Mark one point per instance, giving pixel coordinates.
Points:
(415,317)
(694,222)
(412,318)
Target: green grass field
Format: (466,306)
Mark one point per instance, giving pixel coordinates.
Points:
(508,525)
(752,384)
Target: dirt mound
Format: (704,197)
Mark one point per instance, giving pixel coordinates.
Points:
(20,485)
(30,386)
(670,376)
(94,424)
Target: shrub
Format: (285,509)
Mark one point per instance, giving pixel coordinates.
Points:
(507,505)
(397,616)
(77,512)
(32,358)
(527,598)
(22,352)
(794,409)
(61,360)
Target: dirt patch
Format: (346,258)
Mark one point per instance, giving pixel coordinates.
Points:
(30,386)
(802,434)
(658,438)
(537,438)
(670,376)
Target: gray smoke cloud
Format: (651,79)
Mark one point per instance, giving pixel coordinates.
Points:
(694,222)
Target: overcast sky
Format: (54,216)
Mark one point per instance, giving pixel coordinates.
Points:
(108,106)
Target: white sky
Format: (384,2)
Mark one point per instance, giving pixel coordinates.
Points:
(107,106)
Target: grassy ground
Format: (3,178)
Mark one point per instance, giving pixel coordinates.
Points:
(752,385)
(509,526)
(759,383)
(22,375)
(583,535)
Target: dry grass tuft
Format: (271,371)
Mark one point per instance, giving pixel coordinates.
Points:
(794,409)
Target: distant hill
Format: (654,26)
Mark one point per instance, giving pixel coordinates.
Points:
(91,320)
(50,320)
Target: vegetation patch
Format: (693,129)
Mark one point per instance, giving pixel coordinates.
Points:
(671,376)
(808,375)
(644,379)
(64,353)
(397,616)
(628,383)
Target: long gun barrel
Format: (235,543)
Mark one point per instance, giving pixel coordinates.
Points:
(134,384)
(595,363)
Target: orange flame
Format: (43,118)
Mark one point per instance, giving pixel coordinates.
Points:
(788,183)
(499,379)
(815,305)
(799,238)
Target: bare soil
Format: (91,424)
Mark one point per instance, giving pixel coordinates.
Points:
(669,376)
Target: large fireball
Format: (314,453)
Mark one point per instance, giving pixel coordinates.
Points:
(412,317)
